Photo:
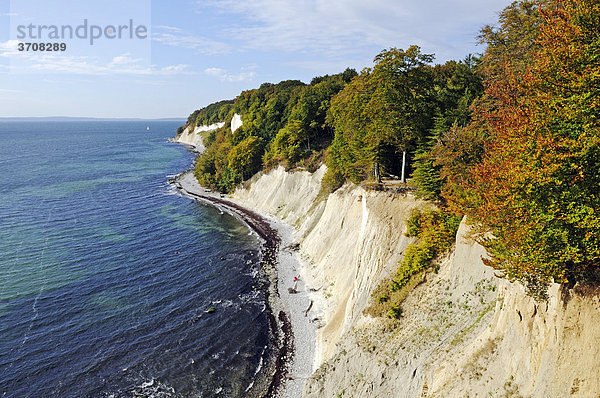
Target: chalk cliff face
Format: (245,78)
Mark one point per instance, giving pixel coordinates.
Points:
(236,122)
(347,242)
(463,331)
(192,136)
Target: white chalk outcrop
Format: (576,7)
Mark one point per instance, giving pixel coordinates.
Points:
(192,136)
(463,332)
(236,122)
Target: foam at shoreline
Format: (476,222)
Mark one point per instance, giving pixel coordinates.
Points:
(294,364)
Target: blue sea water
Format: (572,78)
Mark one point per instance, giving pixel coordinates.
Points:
(106,273)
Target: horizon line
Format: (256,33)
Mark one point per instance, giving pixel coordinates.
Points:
(90,118)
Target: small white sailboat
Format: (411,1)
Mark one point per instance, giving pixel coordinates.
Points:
(147,128)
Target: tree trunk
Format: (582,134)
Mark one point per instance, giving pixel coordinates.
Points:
(402,179)
(377,174)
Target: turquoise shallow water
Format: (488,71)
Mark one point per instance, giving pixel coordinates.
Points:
(106,273)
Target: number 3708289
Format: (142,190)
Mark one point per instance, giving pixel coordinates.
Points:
(42,46)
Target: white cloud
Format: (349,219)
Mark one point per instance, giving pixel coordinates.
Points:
(9,48)
(224,76)
(169,28)
(120,65)
(123,64)
(172,69)
(175,37)
(124,59)
(338,27)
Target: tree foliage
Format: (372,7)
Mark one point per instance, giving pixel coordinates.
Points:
(383,111)
(457,85)
(533,183)
(305,130)
(282,123)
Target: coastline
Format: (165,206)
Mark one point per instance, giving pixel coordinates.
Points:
(289,362)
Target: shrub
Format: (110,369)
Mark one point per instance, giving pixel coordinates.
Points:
(417,258)
(436,231)
(413,224)
(332,181)
(395,312)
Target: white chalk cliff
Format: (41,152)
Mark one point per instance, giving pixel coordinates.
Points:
(193,136)
(463,332)
(236,122)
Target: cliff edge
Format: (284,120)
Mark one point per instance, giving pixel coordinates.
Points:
(463,331)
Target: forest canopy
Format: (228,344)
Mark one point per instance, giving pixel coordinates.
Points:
(530,161)
(361,125)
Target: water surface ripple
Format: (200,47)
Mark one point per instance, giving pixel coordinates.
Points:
(106,274)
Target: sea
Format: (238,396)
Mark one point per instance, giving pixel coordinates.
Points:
(111,283)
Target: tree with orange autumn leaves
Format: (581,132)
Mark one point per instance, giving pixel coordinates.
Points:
(526,171)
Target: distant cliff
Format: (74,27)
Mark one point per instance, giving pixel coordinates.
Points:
(191,135)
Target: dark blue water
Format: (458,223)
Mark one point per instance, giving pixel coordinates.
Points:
(106,273)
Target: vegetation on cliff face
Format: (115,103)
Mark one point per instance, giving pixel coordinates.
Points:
(512,139)
(436,232)
(532,185)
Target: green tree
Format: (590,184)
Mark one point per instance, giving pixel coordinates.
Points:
(456,86)
(244,159)
(351,153)
(306,130)
(403,102)
(534,190)
(383,110)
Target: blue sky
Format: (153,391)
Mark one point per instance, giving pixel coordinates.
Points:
(201,51)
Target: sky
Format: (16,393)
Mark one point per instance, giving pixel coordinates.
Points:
(173,57)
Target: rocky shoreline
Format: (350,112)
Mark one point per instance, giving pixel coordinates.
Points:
(279,375)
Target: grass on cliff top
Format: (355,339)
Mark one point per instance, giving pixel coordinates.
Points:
(436,231)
